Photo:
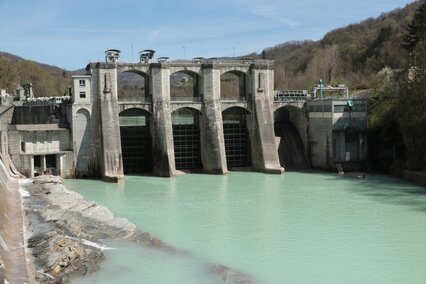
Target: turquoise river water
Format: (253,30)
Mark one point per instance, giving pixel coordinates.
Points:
(290,228)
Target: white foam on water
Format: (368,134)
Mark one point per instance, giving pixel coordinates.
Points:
(90,243)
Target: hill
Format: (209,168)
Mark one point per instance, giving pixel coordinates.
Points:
(47,80)
(360,55)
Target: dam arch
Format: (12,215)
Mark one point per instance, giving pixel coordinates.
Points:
(185,85)
(234,86)
(133,85)
(290,125)
(136,140)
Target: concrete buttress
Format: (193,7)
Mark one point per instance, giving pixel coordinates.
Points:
(163,150)
(112,168)
(264,153)
(212,140)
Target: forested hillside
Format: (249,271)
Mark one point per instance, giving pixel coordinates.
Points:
(361,55)
(47,80)
(398,114)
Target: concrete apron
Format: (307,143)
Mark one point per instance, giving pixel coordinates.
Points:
(12,243)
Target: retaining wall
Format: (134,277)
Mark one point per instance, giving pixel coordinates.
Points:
(12,245)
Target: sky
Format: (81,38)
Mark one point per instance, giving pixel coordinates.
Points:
(71,33)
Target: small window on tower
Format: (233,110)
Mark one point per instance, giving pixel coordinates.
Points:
(82,83)
(82,95)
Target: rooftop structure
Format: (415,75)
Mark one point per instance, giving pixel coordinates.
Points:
(336,91)
(146,55)
(112,55)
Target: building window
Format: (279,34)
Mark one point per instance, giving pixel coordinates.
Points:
(82,83)
(82,95)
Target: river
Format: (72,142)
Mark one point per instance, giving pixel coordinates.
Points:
(290,228)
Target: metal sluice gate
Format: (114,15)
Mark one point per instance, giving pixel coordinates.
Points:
(236,144)
(136,149)
(186,138)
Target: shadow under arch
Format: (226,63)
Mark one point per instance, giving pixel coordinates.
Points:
(186,139)
(234,85)
(237,140)
(136,140)
(291,149)
(185,85)
(133,85)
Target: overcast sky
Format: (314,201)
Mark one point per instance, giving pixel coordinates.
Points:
(71,33)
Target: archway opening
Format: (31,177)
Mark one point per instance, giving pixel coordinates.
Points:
(186,138)
(133,86)
(237,141)
(136,145)
(291,150)
(184,86)
(234,86)
(82,142)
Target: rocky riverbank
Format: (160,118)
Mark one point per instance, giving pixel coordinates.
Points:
(65,234)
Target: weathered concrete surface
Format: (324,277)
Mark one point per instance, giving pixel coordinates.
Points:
(64,229)
(212,138)
(264,154)
(163,148)
(111,142)
(12,247)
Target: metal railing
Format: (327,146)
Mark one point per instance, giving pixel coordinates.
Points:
(291,98)
(292,95)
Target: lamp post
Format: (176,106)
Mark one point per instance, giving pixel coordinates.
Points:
(320,84)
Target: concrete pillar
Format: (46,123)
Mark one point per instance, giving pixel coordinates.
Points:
(112,164)
(43,166)
(59,165)
(212,139)
(163,149)
(264,153)
(31,167)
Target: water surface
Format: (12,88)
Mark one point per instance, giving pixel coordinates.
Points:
(291,228)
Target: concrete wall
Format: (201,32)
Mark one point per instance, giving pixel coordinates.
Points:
(329,123)
(81,85)
(12,246)
(320,139)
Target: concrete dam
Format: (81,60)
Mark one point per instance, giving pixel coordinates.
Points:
(162,132)
(164,117)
